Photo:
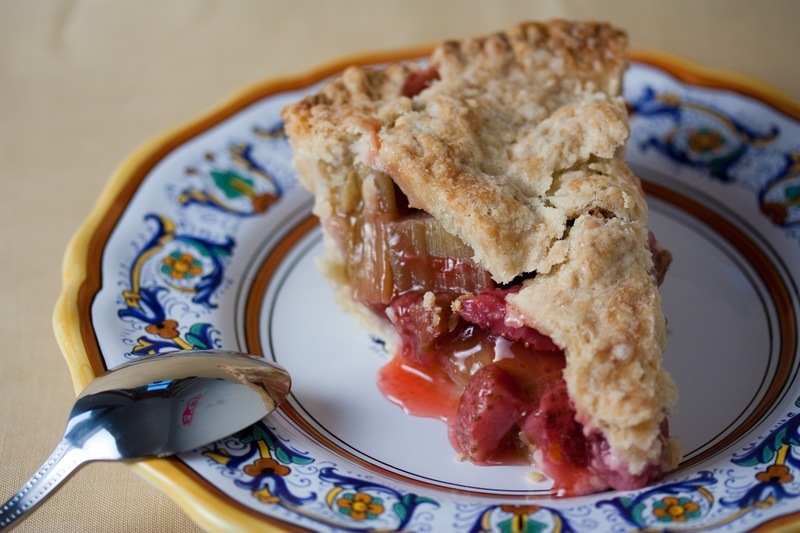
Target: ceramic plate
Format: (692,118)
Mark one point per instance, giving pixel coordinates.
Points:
(204,239)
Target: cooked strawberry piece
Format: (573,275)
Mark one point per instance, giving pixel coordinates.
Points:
(489,409)
(553,428)
(488,310)
(419,80)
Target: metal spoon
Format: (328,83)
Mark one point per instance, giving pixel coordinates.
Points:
(158,406)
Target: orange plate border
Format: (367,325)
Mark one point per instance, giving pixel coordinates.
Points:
(81,274)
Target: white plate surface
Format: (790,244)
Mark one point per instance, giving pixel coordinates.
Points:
(215,249)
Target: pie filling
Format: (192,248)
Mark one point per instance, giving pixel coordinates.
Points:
(465,356)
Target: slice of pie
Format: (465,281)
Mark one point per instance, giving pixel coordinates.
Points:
(480,219)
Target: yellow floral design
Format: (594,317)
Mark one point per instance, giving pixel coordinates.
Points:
(672,509)
(168,329)
(705,140)
(266,467)
(360,506)
(179,265)
(775,474)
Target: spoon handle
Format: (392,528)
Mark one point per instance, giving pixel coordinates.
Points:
(61,463)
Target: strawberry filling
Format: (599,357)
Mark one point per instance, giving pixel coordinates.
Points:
(419,80)
(488,311)
(489,411)
(500,389)
(465,357)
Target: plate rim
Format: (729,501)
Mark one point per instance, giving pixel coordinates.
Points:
(72,323)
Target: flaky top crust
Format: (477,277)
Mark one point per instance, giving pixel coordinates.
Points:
(509,144)
(602,307)
(517,147)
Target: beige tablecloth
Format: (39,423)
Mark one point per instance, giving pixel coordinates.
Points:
(83,82)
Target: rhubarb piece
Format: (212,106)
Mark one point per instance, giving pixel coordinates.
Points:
(488,411)
(423,256)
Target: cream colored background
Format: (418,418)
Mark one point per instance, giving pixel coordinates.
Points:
(82,83)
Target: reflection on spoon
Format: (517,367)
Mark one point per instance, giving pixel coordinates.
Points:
(158,406)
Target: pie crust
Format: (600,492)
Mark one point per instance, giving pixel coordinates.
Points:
(514,144)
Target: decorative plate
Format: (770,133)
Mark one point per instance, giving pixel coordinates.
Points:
(203,239)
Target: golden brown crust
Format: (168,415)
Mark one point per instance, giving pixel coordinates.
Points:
(484,147)
(517,148)
(602,306)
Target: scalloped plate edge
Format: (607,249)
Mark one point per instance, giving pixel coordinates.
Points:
(205,504)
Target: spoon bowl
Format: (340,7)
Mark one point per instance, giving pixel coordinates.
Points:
(155,407)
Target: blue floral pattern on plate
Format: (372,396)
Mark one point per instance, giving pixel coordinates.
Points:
(178,267)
